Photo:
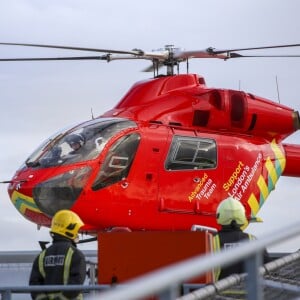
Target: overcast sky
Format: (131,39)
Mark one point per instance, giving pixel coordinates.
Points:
(39,98)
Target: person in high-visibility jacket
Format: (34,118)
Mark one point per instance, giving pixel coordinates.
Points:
(231,216)
(61,263)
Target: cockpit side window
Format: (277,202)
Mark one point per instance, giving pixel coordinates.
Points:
(188,153)
(118,161)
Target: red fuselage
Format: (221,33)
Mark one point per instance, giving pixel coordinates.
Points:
(162,159)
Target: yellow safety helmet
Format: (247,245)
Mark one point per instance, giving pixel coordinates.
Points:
(231,209)
(66,223)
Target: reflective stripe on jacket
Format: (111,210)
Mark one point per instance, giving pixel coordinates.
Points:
(228,239)
(67,264)
(60,264)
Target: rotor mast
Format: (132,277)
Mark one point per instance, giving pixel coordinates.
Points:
(171,62)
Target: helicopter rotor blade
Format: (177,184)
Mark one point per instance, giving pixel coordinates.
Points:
(236,55)
(160,55)
(104,57)
(214,51)
(168,56)
(133,52)
(198,54)
(150,68)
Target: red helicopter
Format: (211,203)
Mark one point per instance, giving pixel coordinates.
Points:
(165,156)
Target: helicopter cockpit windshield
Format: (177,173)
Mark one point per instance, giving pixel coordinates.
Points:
(81,143)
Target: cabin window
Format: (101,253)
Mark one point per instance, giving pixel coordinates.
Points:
(188,153)
(118,161)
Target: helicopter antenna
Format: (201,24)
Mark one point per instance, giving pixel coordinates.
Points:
(92,113)
(277,86)
(153,68)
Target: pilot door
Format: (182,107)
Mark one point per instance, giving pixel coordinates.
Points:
(129,172)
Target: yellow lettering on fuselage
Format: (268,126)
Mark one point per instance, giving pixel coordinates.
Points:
(198,187)
(234,176)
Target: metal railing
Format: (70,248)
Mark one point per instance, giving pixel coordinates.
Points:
(8,291)
(222,285)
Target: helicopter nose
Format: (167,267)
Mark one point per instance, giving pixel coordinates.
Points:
(60,192)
